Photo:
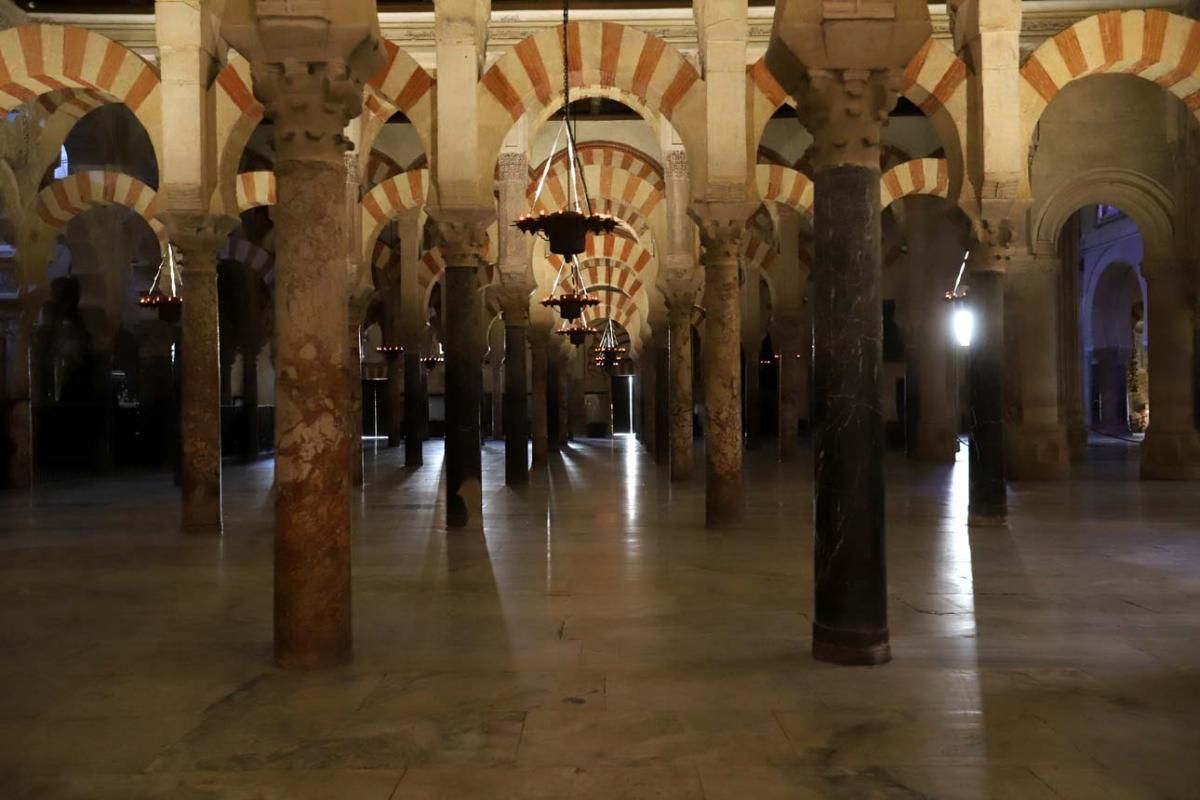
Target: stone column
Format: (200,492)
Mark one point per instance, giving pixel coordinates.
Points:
(752,402)
(463,235)
(682,404)
(564,400)
(1171,450)
(310,104)
(20,405)
(514,304)
(198,240)
(579,393)
(1037,439)
(416,408)
(936,439)
(539,351)
(662,401)
(1070,349)
(497,410)
(250,449)
(988,503)
(354,388)
(794,332)
(721,229)
(395,400)
(649,379)
(845,109)
(553,406)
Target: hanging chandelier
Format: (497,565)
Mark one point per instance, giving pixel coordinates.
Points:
(390,351)
(574,298)
(566,230)
(576,332)
(434,358)
(608,353)
(164,292)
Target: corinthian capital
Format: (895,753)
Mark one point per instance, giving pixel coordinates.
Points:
(463,235)
(722,226)
(845,109)
(310,104)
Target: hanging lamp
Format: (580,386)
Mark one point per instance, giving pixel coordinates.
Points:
(576,332)
(434,358)
(566,230)
(608,353)
(164,292)
(574,298)
(390,351)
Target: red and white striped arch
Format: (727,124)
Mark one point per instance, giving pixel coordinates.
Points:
(1160,47)
(612,275)
(65,199)
(614,249)
(380,167)
(402,85)
(255,189)
(605,59)
(641,198)
(250,255)
(38,59)
(786,186)
(935,80)
(390,199)
(928,176)
(757,254)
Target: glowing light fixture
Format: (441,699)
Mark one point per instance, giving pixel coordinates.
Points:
(608,354)
(164,292)
(962,321)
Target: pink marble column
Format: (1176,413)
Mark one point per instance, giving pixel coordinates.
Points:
(721,230)
(198,240)
(682,404)
(310,104)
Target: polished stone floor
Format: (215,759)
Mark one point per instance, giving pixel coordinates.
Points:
(596,642)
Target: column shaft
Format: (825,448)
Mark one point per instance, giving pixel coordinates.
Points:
(516,406)
(355,390)
(553,406)
(464,390)
(795,356)
(722,393)
(416,408)
(682,404)
(753,398)
(850,624)
(1171,450)
(988,503)
(662,403)
(250,449)
(312,402)
(20,409)
(539,416)
(200,397)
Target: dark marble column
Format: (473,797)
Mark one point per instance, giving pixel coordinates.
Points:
(310,104)
(198,239)
(751,396)
(516,400)
(250,449)
(988,504)
(846,109)
(539,351)
(564,401)
(649,382)
(721,229)
(464,235)
(20,406)
(662,402)
(394,416)
(579,393)
(682,404)
(416,408)
(795,354)
(553,407)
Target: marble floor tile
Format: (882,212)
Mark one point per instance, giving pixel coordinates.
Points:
(594,641)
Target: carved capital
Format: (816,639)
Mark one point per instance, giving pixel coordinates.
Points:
(722,227)
(198,237)
(512,167)
(845,110)
(513,294)
(677,165)
(680,288)
(310,104)
(462,235)
(994,246)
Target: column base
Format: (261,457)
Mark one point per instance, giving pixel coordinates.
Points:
(935,449)
(1170,456)
(982,520)
(723,504)
(1038,454)
(851,648)
(1077,441)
